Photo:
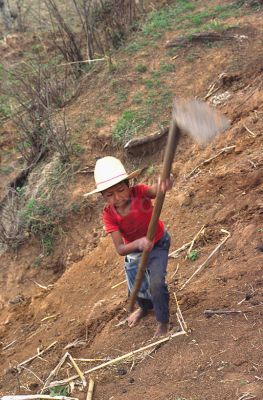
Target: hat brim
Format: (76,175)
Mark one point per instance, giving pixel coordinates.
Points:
(132,175)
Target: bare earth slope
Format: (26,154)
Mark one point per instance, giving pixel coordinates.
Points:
(221,356)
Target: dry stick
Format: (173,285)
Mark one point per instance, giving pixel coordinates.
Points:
(179,320)
(8,345)
(208,259)
(81,375)
(43,287)
(118,284)
(182,248)
(185,328)
(177,267)
(212,89)
(194,239)
(36,396)
(82,62)
(209,313)
(115,360)
(224,150)
(247,396)
(90,390)
(249,131)
(37,355)
(90,359)
(32,372)
(54,372)
(49,317)
(172,142)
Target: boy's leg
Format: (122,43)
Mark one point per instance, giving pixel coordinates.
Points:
(157,267)
(145,304)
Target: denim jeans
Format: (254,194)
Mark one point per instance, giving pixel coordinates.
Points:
(153,292)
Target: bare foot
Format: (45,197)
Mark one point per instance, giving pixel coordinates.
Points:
(135,317)
(161,330)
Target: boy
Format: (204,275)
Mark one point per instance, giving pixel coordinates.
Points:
(126,217)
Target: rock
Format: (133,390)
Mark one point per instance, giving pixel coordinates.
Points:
(121,371)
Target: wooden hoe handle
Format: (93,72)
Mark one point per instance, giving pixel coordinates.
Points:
(172,141)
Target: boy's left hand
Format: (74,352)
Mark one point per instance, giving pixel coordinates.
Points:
(167,184)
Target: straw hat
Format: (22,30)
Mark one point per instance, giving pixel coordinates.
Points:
(108,172)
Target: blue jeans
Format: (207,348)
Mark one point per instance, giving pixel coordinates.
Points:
(153,292)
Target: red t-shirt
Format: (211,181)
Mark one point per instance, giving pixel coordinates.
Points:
(135,224)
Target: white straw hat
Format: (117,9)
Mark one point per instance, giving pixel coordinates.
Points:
(108,172)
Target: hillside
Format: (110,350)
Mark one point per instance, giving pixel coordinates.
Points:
(66,289)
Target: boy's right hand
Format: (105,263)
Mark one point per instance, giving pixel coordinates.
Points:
(144,244)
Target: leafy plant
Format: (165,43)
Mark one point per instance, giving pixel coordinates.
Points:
(141,68)
(59,391)
(193,255)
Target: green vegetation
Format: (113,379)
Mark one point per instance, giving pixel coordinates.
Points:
(40,220)
(130,122)
(164,19)
(193,255)
(42,214)
(166,67)
(6,170)
(121,96)
(99,122)
(141,68)
(5,108)
(59,391)
(137,98)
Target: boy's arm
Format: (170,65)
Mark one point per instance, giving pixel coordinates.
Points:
(124,249)
(152,190)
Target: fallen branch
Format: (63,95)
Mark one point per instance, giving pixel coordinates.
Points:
(209,313)
(146,139)
(91,359)
(249,131)
(247,396)
(49,317)
(194,240)
(177,267)
(212,88)
(180,316)
(90,390)
(80,373)
(37,355)
(199,37)
(33,373)
(36,396)
(44,287)
(54,372)
(174,254)
(118,284)
(205,162)
(82,62)
(208,258)
(8,345)
(118,359)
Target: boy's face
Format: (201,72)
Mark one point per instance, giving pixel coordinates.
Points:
(117,195)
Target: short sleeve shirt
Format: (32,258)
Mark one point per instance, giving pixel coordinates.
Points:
(134,225)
